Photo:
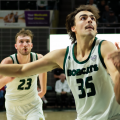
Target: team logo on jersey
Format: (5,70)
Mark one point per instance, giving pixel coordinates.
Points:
(93,58)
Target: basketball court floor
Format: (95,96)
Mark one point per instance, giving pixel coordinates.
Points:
(52,115)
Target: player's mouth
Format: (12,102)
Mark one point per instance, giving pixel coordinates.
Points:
(25,49)
(89,27)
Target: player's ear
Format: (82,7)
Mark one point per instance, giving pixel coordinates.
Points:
(96,32)
(15,46)
(31,45)
(73,28)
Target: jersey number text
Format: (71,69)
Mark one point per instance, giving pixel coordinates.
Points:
(88,84)
(20,87)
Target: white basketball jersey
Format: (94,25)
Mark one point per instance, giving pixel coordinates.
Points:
(22,90)
(91,85)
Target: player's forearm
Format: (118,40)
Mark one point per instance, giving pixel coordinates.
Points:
(13,70)
(117,87)
(43,82)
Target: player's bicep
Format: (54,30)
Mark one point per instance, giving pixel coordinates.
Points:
(106,49)
(7,60)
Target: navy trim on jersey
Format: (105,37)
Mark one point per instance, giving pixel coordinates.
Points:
(12,59)
(100,56)
(88,56)
(67,50)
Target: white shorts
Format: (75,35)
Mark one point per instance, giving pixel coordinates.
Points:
(31,111)
(116,117)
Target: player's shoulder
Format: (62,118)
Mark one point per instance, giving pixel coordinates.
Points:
(7,60)
(39,55)
(107,45)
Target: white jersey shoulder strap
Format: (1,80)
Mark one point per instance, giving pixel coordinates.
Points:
(33,57)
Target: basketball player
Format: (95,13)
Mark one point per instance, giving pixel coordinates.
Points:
(85,63)
(9,18)
(22,99)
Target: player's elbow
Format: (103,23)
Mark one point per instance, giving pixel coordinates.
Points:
(21,72)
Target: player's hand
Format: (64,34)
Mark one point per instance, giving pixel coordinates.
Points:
(115,57)
(40,94)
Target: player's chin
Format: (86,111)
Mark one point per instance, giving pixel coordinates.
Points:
(26,53)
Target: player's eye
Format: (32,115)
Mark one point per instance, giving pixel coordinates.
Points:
(83,18)
(92,18)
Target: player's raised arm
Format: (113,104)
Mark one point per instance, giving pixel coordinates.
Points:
(106,49)
(50,61)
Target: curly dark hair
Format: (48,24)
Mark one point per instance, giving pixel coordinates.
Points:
(70,19)
(24,32)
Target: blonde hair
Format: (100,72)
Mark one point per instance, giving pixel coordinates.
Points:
(24,32)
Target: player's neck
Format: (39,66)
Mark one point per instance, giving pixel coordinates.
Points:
(83,48)
(23,59)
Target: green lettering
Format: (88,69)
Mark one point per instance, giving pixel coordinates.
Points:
(83,71)
(69,72)
(78,72)
(95,67)
(73,72)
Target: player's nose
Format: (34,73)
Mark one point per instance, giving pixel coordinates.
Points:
(25,43)
(89,20)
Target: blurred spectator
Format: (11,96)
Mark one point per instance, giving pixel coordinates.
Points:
(112,19)
(57,72)
(105,14)
(101,8)
(2,99)
(91,2)
(42,4)
(63,94)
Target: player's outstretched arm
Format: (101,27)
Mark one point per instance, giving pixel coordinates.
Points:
(50,61)
(106,49)
(5,80)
